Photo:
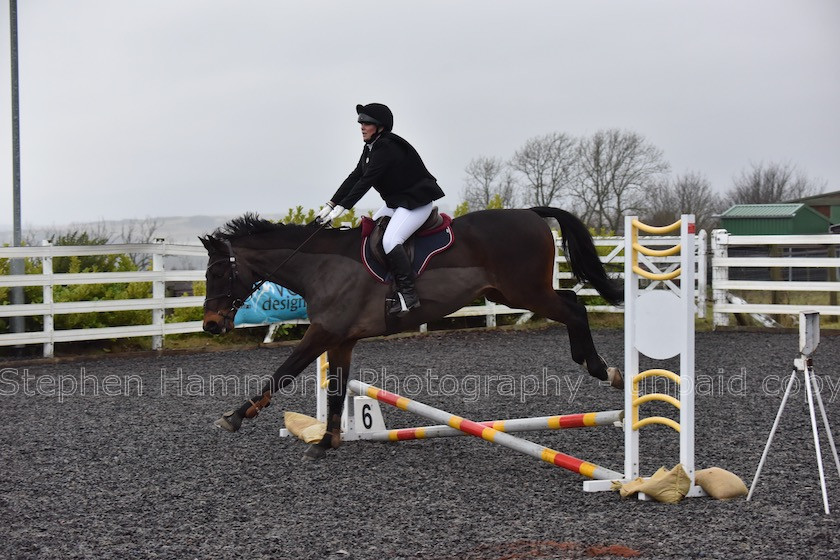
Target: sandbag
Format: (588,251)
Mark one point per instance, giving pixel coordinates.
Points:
(719,483)
(669,486)
(304,427)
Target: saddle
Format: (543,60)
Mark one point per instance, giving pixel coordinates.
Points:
(432,238)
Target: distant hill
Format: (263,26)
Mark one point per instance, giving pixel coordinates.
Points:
(175,229)
(179,230)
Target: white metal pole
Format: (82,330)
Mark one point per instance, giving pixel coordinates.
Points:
(16,265)
(322,367)
(772,433)
(827,427)
(631,356)
(687,263)
(808,382)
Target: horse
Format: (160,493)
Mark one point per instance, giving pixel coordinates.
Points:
(506,256)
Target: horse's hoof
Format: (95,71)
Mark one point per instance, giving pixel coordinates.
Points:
(615,378)
(314,453)
(229,421)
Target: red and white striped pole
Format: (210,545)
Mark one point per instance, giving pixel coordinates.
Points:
(562,422)
(488,433)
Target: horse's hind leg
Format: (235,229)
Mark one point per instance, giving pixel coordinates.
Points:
(339,359)
(581,343)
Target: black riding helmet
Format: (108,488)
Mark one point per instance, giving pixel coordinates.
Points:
(376,113)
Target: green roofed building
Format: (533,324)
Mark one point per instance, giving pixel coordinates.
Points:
(773,219)
(827,204)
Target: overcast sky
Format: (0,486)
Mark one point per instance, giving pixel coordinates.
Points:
(137,108)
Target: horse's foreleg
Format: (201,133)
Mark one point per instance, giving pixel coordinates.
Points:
(339,359)
(313,344)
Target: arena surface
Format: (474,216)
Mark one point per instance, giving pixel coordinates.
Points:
(118,458)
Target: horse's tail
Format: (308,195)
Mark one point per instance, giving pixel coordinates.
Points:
(581,254)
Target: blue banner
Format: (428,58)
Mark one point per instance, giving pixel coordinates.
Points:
(271,303)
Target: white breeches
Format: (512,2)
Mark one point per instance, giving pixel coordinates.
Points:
(403,223)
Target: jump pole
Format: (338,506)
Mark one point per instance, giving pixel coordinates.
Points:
(513,425)
(362,419)
(485,432)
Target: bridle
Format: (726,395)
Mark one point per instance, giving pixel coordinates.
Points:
(233,278)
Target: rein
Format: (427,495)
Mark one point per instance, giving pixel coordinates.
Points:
(260,283)
(233,275)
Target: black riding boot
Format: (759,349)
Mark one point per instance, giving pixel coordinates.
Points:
(406,296)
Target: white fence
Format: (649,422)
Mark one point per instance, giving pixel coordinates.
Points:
(158,276)
(722,262)
(158,303)
(779,266)
(615,256)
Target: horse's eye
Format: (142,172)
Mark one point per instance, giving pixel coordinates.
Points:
(217,270)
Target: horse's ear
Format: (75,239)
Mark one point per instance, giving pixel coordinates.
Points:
(207,241)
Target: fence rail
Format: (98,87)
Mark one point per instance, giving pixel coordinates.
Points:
(158,276)
(724,303)
(614,261)
(724,265)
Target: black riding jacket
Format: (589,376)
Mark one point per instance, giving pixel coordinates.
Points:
(393,167)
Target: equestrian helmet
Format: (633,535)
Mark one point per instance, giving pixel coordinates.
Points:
(376,113)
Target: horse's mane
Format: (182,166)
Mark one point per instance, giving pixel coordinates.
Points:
(249,223)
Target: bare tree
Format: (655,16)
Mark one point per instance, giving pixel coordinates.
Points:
(690,193)
(489,183)
(547,166)
(773,182)
(140,231)
(616,167)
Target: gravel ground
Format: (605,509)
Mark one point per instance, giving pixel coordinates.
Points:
(118,458)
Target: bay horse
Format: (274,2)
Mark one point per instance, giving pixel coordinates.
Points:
(506,256)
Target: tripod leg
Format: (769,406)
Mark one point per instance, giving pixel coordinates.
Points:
(827,429)
(772,433)
(810,390)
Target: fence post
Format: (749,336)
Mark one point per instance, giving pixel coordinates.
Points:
(702,256)
(832,277)
(49,322)
(720,273)
(158,291)
(555,274)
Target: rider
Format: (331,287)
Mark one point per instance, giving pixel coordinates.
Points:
(393,167)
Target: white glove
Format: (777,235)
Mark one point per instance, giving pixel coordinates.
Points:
(325,211)
(336,212)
